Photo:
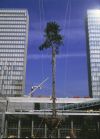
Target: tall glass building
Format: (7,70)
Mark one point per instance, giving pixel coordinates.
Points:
(93,52)
(13,51)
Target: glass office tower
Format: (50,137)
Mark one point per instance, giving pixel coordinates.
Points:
(93,52)
(13,51)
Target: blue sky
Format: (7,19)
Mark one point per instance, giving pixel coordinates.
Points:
(71,68)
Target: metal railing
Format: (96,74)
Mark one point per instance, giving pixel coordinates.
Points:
(83,105)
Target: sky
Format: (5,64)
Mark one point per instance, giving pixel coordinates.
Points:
(71,63)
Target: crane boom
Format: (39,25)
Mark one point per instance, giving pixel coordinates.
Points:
(34,88)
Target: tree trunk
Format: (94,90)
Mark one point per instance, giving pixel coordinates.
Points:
(53,81)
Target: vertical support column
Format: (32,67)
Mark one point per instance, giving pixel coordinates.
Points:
(58,133)
(73,132)
(3,125)
(98,127)
(72,125)
(19,127)
(6,128)
(98,124)
(45,131)
(32,127)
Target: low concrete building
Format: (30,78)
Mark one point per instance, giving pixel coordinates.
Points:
(31,116)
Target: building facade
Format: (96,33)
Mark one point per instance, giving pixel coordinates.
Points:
(93,52)
(30,117)
(13,51)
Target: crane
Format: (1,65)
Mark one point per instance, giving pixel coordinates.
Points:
(34,88)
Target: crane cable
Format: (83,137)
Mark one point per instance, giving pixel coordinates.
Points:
(43,20)
(65,17)
(65,23)
(68,9)
(41,12)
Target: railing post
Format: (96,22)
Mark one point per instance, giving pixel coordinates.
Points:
(58,133)
(32,133)
(19,127)
(72,125)
(6,128)
(98,128)
(45,134)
